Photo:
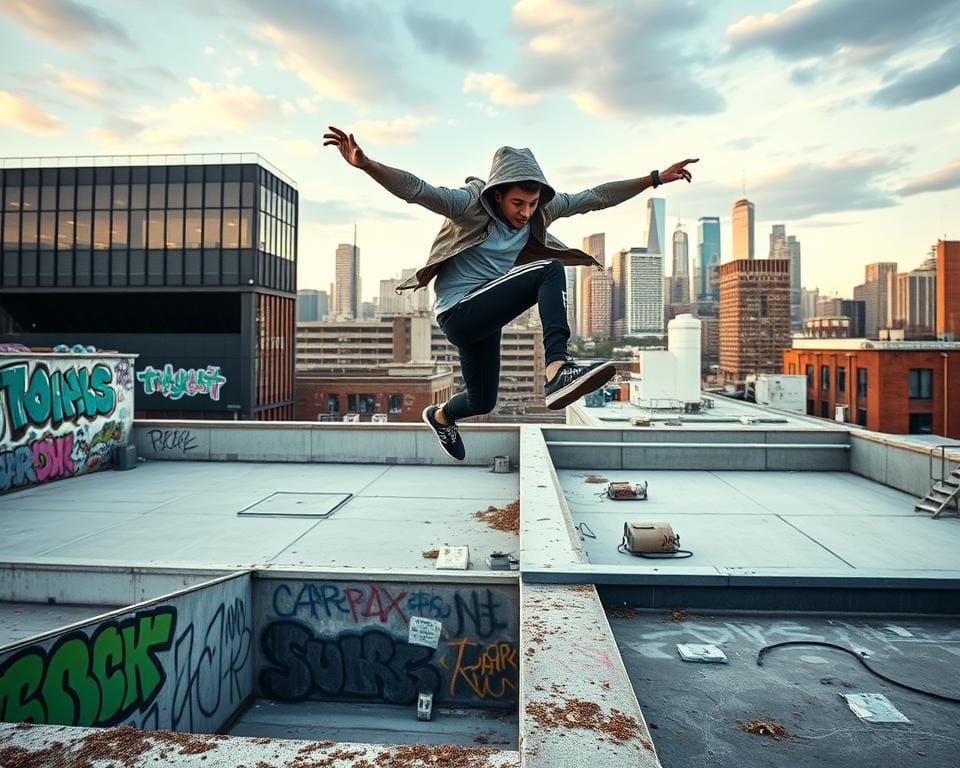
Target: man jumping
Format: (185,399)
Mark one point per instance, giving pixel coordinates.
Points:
(493,259)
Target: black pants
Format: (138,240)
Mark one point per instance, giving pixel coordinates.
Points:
(474,324)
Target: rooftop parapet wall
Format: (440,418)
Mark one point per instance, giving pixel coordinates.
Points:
(327,443)
(61,414)
(181,662)
(342,640)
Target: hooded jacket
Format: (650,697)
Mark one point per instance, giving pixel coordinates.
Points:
(469,210)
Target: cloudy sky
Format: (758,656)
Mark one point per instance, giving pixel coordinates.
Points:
(840,118)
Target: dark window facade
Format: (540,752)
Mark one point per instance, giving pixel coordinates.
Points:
(824,377)
(164,226)
(862,417)
(825,410)
(809,377)
(361,403)
(861,382)
(395,403)
(921,384)
(841,379)
(921,423)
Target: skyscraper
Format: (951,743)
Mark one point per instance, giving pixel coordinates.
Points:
(708,256)
(601,305)
(754,317)
(915,303)
(618,303)
(312,305)
(680,281)
(874,293)
(595,245)
(390,303)
(571,300)
(787,247)
(743,216)
(346,305)
(414,302)
(948,289)
(643,293)
(656,226)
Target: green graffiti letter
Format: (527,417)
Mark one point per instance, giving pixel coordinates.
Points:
(38,396)
(140,641)
(19,684)
(71,394)
(13,384)
(71,694)
(108,669)
(100,380)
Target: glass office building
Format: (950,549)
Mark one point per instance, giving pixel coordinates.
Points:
(188,261)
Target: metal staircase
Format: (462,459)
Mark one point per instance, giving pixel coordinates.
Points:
(943,494)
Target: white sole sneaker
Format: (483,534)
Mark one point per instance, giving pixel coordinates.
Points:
(578,388)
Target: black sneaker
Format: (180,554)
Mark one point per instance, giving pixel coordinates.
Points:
(573,381)
(447,434)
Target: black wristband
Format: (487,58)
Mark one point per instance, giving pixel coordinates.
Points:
(655,177)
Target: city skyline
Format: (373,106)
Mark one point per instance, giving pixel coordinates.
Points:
(773,97)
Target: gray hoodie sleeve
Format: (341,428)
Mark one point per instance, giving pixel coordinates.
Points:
(602,196)
(443,200)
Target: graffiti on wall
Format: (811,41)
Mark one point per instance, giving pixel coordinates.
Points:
(60,416)
(182,382)
(180,668)
(350,641)
(95,679)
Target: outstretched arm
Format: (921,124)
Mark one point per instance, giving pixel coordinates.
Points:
(614,192)
(405,185)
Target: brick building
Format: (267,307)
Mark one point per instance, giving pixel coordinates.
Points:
(754,317)
(400,392)
(948,289)
(899,387)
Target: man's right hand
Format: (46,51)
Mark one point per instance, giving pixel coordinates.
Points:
(347,146)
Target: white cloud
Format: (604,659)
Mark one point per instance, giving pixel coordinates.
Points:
(253,57)
(232,73)
(209,51)
(307,105)
(77,85)
(500,89)
(616,58)
(402,130)
(343,51)
(210,111)
(27,116)
(945,178)
(64,23)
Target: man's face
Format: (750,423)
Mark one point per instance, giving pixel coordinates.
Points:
(516,206)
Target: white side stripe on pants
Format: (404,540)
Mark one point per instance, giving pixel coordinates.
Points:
(521,270)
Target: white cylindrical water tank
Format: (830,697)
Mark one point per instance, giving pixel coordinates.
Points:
(683,340)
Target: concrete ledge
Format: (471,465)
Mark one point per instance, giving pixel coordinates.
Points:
(95,583)
(547,536)
(140,749)
(571,671)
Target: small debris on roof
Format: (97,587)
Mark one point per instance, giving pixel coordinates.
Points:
(577,713)
(594,479)
(430,554)
(502,519)
(588,588)
(622,612)
(772,728)
(677,616)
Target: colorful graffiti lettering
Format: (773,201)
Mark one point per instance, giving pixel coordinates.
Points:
(48,399)
(96,680)
(374,601)
(488,669)
(36,462)
(368,665)
(174,384)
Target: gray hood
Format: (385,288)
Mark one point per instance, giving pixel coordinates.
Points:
(511,165)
